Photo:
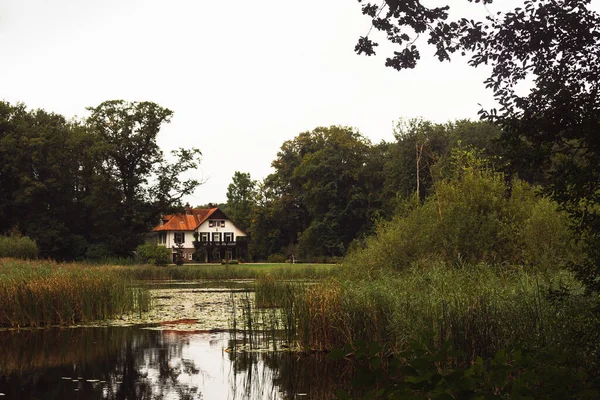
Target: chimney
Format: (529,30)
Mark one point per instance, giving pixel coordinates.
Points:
(188,209)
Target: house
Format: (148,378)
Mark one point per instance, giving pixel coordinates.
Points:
(208,232)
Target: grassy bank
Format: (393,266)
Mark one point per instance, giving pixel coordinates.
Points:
(219,272)
(43,293)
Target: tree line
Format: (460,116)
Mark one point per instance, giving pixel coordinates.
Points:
(331,185)
(89,188)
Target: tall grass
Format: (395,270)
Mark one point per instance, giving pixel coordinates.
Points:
(43,293)
(477,308)
(222,272)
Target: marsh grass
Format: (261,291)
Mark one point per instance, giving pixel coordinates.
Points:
(478,309)
(43,293)
(224,272)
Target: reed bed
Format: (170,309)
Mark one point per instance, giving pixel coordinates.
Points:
(478,309)
(44,293)
(224,272)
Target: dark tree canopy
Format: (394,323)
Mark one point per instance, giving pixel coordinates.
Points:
(91,188)
(553,127)
(241,198)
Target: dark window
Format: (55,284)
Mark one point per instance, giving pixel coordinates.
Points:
(211,224)
(228,237)
(179,237)
(217,237)
(204,237)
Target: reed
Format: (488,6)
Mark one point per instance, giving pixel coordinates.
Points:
(44,293)
(224,272)
(477,308)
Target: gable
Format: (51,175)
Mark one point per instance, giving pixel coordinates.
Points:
(193,219)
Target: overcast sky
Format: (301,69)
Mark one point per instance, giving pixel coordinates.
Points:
(240,76)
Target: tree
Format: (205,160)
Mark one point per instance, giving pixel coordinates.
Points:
(135,183)
(319,191)
(554,127)
(241,198)
(45,177)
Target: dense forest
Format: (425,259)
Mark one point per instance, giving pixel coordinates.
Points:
(332,186)
(87,189)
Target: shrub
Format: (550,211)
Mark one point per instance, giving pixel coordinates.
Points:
(276,258)
(98,252)
(199,255)
(16,246)
(475,215)
(149,253)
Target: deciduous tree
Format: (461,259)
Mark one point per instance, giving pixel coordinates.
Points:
(553,46)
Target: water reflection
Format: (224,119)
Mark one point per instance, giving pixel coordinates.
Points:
(134,363)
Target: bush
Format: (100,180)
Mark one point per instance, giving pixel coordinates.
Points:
(199,255)
(276,258)
(149,253)
(18,247)
(474,215)
(227,262)
(97,251)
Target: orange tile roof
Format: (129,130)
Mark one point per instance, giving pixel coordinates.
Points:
(185,222)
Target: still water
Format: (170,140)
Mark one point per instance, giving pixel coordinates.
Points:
(138,363)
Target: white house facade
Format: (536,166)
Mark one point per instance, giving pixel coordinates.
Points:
(204,234)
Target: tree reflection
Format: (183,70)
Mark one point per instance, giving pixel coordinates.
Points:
(94,363)
(134,363)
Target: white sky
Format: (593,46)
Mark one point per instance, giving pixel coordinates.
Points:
(240,76)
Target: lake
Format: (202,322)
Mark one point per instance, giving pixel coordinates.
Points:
(160,355)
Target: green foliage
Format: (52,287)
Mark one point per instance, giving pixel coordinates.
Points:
(199,255)
(473,215)
(423,148)
(18,247)
(241,198)
(134,175)
(418,373)
(321,195)
(151,253)
(549,131)
(87,189)
(331,184)
(276,258)
(477,309)
(179,255)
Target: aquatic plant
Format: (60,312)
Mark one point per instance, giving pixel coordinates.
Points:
(479,309)
(44,293)
(222,272)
